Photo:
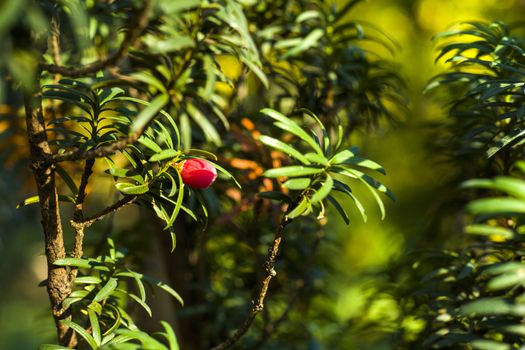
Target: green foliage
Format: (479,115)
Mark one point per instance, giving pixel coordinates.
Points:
(472,298)
(323,168)
(317,61)
(18,58)
(90,114)
(145,85)
(104,288)
(486,80)
(96,116)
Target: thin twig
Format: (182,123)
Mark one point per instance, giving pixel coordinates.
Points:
(131,38)
(54,44)
(113,208)
(258,303)
(54,47)
(79,223)
(115,72)
(78,216)
(79,201)
(98,152)
(271,327)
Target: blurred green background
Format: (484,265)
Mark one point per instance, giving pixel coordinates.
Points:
(359,252)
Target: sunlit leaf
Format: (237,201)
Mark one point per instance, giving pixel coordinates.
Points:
(292,171)
(82,332)
(105,291)
(170,336)
(492,306)
(131,189)
(297,184)
(148,113)
(324,190)
(310,40)
(300,208)
(283,147)
(95,327)
(497,206)
(488,230)
(511,186)
(292,127)
(81,263)
(164,154)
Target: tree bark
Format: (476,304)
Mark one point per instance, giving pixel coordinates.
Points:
(58,283)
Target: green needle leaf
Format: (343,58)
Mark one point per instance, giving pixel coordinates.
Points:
(105,291)
(283,147)
(131,189)
(148,113)
(324,190)
(292,171)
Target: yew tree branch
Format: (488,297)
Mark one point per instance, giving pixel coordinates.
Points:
(258,303)
(272,326)
(54,42)
(58,286)
(98,152)
(130,39)
(78,216)
(109,210)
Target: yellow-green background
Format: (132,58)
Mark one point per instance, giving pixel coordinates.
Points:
(413,174)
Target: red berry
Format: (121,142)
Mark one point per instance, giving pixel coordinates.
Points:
(198,173)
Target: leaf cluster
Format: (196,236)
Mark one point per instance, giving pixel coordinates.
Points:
(322,167)
(164,95)
(472,298)
(485,80)
(320,61)
(476,297)
(101,300)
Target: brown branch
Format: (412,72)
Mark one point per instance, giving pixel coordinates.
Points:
(258,303)
(54,42)
(98,152)
(54,47)
(58,286)
(131,38)
(111,209)
(115,72)
(271,327)
(78,251)
(78,216)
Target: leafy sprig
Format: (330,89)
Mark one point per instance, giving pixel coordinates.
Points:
(320,168)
